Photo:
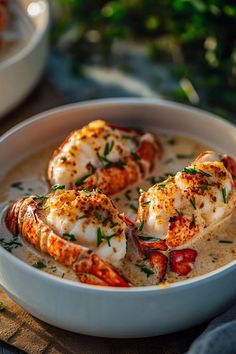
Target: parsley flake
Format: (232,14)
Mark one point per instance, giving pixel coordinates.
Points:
(108,148)
(81,180)
(149,238)
(99,237)
(57,187)
(70,237)
(2,307)
(97,215)
(193,222)
(145,270)
(39,265)
(133,207)
(10,245)
(127,194)
(17,185)
(193,202)
(108,163)
(224,195)
(171,141)
(141,226)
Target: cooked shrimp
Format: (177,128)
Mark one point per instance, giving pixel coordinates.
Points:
(79,229)
(103,156)
(185,206)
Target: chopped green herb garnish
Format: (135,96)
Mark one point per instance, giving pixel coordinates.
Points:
(105,221)
(225,241)
(108,238)
(40,198)
(82,217)
(127,194)
(133,207)
(108,148)
(70,237)
(171,141)
(128,137)
(114,225)
(145,270)
(183,156)
(40,265)
(179,212)
(86,190)
(63,158)
(148,238)
(141,226)
(162,185)
(193,222)
(99,236)
(204,187)
(17,185)
(81,180)
(58,187)
(153,180)
(97,215)
(108,163)
(193,202)
(53,269)
(224,195)
(2,307)
(190,171)
(10,245)
(147,203)
(136,156)
(204,173)
(193,171)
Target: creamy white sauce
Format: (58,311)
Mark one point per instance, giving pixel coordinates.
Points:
(29,177)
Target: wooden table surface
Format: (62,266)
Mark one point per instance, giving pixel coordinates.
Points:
(44,97)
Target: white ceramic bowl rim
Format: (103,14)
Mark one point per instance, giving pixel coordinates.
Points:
(159,288)
(31,44)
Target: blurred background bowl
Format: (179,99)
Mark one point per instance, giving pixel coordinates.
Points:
(21,69)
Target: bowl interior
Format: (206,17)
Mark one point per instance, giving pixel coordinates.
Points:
(151,114)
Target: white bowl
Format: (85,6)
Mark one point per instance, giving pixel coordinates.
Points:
(20,71)
(105,311)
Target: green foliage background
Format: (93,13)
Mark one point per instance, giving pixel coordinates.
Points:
(196,39)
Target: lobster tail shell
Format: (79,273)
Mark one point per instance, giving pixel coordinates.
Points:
(25,217)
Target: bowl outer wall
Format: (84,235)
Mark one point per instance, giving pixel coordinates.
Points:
(20,73)
(115,312)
